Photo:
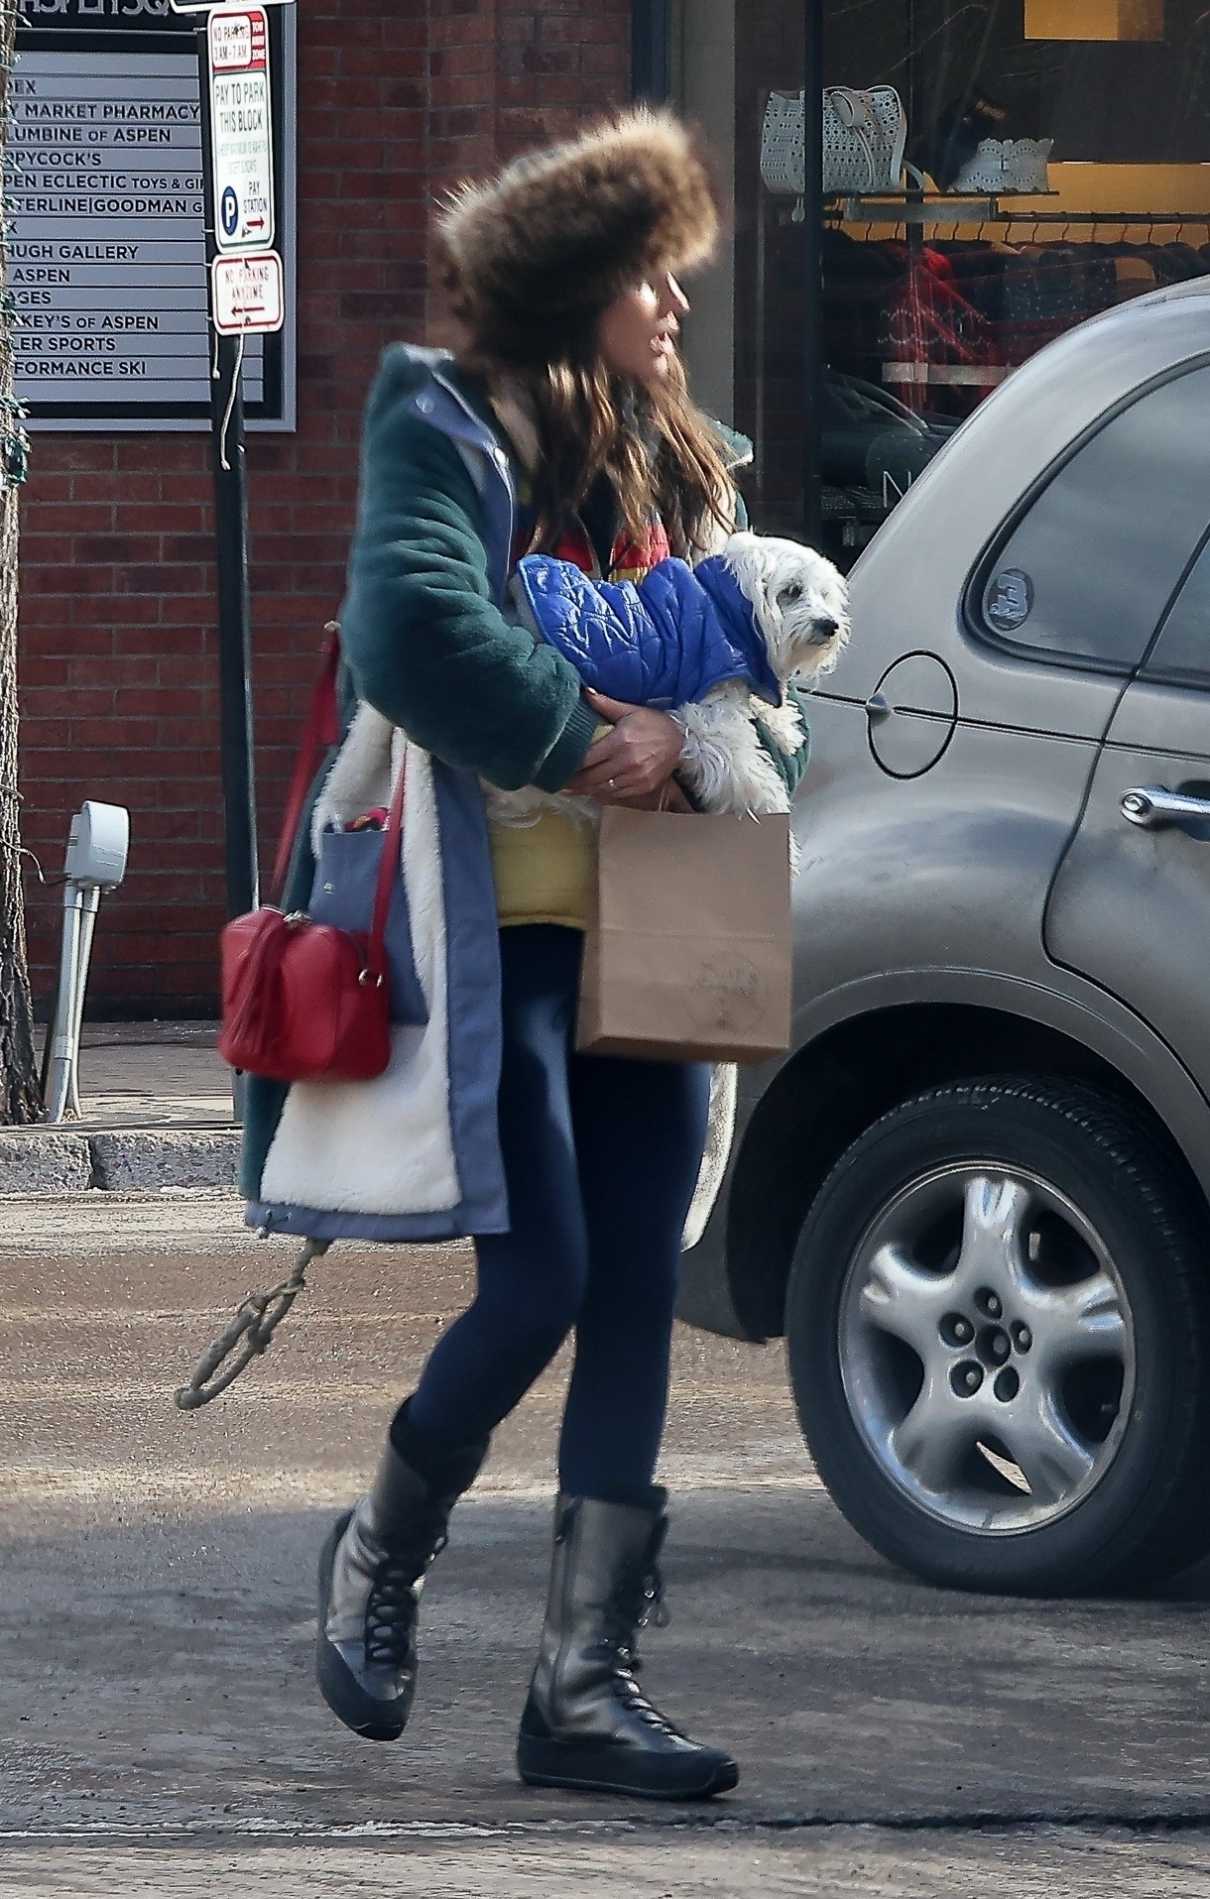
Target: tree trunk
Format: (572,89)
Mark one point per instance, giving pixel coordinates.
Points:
(20,1094)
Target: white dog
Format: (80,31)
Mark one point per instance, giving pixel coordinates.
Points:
(800,605)
(799,610)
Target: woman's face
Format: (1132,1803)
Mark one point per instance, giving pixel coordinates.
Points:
(637,333)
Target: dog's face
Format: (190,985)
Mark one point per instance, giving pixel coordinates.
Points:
(801,602)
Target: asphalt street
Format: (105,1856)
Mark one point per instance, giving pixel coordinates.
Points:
(159,1732)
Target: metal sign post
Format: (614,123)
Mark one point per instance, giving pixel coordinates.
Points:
(246,294)
(231,555)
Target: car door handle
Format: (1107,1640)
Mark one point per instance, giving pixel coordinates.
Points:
(1152,806)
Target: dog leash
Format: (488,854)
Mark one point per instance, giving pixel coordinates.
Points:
(248,1335)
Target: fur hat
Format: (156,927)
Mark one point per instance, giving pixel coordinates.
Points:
(536,254)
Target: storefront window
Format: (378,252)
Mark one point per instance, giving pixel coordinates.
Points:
(992,174)
(744,338)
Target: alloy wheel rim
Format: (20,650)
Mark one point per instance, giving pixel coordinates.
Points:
(987,1348)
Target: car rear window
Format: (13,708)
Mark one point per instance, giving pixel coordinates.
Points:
(1087,572)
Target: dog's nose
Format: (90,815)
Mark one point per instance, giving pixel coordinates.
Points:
(825,630)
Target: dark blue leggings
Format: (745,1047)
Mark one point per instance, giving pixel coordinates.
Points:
(601,1159)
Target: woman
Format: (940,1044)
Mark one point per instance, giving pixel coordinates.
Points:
(561,425)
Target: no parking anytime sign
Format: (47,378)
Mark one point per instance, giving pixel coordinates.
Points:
(247,293)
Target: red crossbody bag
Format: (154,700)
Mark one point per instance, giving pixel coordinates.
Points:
(305,1001)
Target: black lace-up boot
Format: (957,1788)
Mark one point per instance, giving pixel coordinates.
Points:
(587,1723)
(371,1572)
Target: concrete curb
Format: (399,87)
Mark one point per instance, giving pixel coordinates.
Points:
(40,1161)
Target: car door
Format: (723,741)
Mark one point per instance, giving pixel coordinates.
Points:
(990,731)
(1130,907)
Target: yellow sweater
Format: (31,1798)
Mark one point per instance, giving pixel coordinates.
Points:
(545,872)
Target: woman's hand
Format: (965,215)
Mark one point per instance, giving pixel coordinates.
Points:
(633,764)
(669,797)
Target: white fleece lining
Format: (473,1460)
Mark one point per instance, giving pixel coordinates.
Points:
(384,1146)
(724,1090)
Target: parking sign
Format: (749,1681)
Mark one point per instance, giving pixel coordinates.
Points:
(248,293)
(241,129)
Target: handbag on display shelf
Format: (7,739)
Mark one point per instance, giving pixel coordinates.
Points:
(305,1000)
(864,140)
(1007,164)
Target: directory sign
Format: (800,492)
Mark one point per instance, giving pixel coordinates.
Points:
(107,250)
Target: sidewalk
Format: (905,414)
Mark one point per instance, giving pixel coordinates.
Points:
(156,1112)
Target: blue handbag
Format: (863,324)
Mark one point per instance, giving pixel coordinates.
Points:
(346,878)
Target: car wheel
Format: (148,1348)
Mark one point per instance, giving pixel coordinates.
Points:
(999,1341)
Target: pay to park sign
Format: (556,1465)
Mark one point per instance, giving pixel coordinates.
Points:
(241,129)
(247,293)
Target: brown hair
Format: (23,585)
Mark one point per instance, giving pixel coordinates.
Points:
(657,450)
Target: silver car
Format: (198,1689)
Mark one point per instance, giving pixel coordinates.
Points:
(974,1198)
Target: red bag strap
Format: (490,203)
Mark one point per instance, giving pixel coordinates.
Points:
(321,731)
(392,844)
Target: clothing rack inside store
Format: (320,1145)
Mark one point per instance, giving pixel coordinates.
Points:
(944,208)
(949,311)
(1105,217)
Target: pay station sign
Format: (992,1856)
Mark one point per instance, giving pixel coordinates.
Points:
(247,293)
(241,128)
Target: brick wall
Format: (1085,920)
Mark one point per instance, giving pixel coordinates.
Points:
(119,684)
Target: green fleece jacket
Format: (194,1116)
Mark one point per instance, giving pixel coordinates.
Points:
(423,638)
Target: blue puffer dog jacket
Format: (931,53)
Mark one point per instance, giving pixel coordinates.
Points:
(664,643)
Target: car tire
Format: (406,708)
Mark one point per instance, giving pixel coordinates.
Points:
(1144,1516)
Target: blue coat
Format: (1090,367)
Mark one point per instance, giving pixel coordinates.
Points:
(665,642)
(415,1154)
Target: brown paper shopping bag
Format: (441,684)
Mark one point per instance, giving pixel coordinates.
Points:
(689,958)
